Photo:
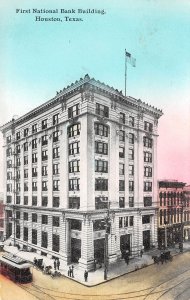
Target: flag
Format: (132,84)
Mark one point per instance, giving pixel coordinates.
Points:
(130,59)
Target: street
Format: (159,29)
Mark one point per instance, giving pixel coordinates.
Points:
(168,281)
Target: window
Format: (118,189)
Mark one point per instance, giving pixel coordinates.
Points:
(18,162)
(148,126)
(9,175)
(131,138)
(34,218)
(44,171)
(34,172)
(34,157)
(9,163)
(101,203)
(121,136)
(55,136)
(44,140)
(56,221)
(74,166)
(101,148)
(34,200)
(131,201)
(18,135)
(25,200)
(44,124)
(18,174)
(26,160)
(25,237)
(34,143)
(131,170)
(34,128)
(121,169)
(34,186)
(74,184)
(131,121)
(9,152)
(55,242)
(44,186)
(147,186)
(44,155)
(147,201)
(9,199)
(101,129)
(131,154)
(101,166)
(56,152)
(121,202)
(102,110)
(55,169)
(75,224)
(44,219)
(44,201)
(147,157)
(73,111)
(147,142)
(56,185)
(8,139)
(131,186)
(101,184)
(17,199)
(55,201)
(131,221)
(74,130)
(121,152)
(98,225)
(26,146)
(126,221)
(34,236)
(74,202)
(147,171)
(18,149)
(44,242)
(121,185)
(18,187)
(25,216)
(18,231)
(122,118)
(25,186)
(55,119)
(74,148)
(25,132)
(145,219)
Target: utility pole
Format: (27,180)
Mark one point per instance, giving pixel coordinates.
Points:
(107,232)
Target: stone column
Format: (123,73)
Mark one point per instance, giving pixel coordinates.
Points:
(112,256)
(65,240)
(87,245)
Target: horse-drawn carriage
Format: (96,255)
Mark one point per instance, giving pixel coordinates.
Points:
(164,257)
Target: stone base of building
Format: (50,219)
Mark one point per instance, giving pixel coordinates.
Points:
(86,265)
(112,258)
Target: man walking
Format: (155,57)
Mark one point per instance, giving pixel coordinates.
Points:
(85,276)
(54,264)
(58,264)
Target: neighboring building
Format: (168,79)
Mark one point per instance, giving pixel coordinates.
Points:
(1,218)
(174,213)
(69,160)
(186,220)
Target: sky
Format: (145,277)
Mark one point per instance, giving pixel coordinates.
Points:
(38,58)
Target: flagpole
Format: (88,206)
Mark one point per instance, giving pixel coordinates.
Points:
(125,72)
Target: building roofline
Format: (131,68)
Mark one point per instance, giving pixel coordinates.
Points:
(78,85)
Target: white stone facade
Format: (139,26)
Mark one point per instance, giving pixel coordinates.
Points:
(94,157)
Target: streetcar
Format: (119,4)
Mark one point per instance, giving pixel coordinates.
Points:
(15,268)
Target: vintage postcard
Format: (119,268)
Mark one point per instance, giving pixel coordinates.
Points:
(94,149)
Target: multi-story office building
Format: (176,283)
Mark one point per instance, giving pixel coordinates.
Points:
(1,217)
(174,213)
(84,152)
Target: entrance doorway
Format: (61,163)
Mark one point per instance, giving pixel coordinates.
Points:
(125,244)
(99,250)
(75,250)
(146,239)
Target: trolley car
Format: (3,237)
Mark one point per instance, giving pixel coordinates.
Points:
(15,268)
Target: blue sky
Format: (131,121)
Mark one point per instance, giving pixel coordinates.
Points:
(39,58)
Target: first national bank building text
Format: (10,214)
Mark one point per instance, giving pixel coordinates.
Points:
(87,151)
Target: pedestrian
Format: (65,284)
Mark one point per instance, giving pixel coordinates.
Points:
(58,264)
(141,253)
(54,264)
(72,271)
(85,276)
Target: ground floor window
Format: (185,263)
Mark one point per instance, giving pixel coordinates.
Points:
(55,243)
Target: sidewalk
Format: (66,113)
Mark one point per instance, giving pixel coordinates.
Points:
(115,269)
